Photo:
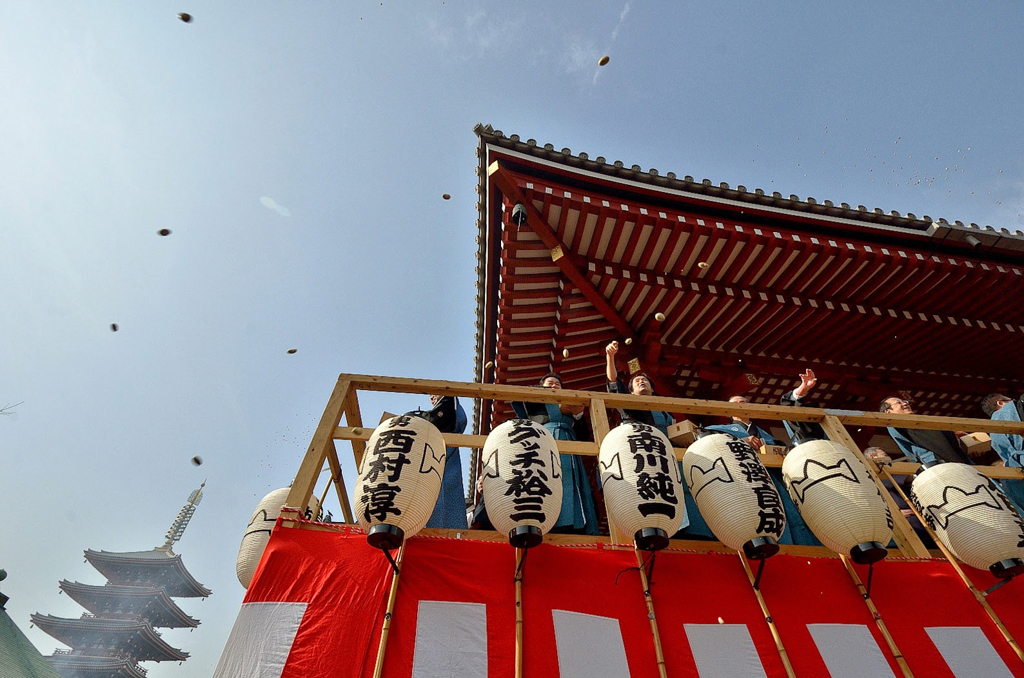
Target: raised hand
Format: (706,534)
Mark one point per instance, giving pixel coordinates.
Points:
(609,353)
(807,382)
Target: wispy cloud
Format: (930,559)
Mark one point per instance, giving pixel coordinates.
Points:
(622,17)
(272,204)
(615,34)
(440,33)
(580,55)
(479,33)
(486,33)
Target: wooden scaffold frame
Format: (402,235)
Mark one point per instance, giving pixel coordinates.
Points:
(344,402)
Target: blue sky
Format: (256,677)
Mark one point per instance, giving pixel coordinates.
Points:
(298,153)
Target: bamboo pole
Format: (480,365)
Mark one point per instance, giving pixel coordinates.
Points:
(978,595)
(783,655)
(904,667)
(379,666)
(659,655)
(519,614)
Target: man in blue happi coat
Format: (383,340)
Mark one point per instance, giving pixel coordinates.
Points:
(693,524)
(579,512)
(1009,446)
(796,531)
(922,445)
(450,510)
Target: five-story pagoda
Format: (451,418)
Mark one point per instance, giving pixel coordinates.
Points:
(117,631)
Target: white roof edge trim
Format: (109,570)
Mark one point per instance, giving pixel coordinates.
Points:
(707,198)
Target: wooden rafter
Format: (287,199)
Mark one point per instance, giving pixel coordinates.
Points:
(561,255)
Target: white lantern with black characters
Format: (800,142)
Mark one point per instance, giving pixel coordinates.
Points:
(972,517)
(643,490)
(838,500)
(399,480)
(522,481)
(735,495)
(257,534)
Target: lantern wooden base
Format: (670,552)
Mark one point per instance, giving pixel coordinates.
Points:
(760,548)
(525,536)
(651,539)
(1007,569)
(868,552)
(385,537)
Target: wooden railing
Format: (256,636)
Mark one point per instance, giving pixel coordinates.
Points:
(344,401)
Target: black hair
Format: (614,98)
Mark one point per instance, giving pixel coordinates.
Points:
(551,374)
(990,403)
(633,377)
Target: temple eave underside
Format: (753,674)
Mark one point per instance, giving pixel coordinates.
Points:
(718,297)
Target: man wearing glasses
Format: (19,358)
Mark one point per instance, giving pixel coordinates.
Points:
(924,446)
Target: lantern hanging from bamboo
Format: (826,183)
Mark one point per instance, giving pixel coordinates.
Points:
(838,500)
(257,534)
(735,495)
(399,480)
(643,490)
(972,517)
(522,481)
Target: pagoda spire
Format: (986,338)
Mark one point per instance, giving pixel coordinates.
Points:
(184,515)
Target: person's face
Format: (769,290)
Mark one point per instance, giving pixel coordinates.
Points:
(899,406)
(641,385)
(551,382)
(738,399)
(877,454)
(435,399)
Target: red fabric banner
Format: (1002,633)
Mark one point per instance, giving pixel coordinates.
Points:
(344,584)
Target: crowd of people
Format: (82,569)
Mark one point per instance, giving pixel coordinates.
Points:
(580,481)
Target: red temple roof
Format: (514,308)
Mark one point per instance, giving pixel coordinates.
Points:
(754,288)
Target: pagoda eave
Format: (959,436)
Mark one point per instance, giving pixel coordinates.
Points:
(158,566)
(138,639)
(86,666)
(148,601)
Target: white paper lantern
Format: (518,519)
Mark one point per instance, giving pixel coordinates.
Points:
(257,534)
(972,517)
(399,480)
(522,481)
(735,495)
(643,490)
(838,500)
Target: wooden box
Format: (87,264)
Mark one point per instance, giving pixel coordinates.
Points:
(683,433)
(976,443)
(778,450)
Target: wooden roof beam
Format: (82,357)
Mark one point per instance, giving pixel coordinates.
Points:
(826,373)
(560,253)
